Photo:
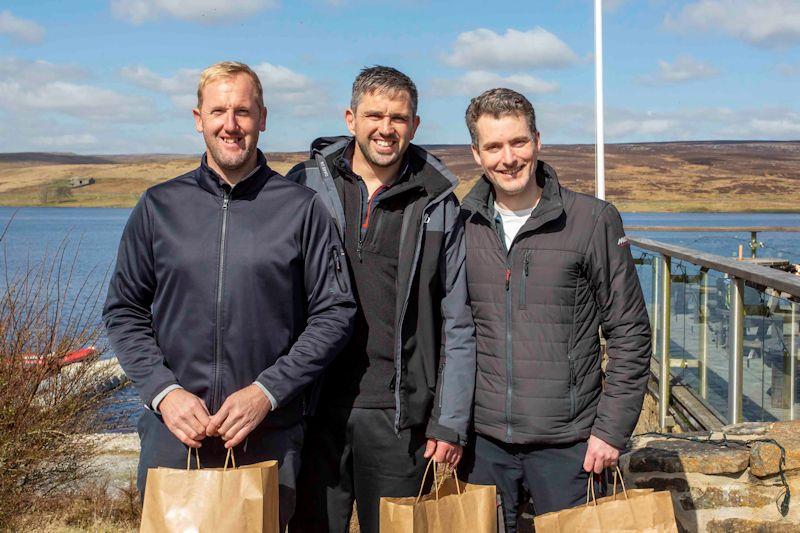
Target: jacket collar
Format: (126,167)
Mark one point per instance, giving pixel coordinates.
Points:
(422,169)
(212,182)
(480,199)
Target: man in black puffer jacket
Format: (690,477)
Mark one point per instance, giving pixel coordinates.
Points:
(546,268)
(228,298)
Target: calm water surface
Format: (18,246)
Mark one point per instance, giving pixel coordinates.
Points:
(91,236)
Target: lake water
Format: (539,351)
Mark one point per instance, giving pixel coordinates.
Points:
(91,235)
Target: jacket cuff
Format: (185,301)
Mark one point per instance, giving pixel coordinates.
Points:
(269,395)
(614,440)
(439,432)
(160,396)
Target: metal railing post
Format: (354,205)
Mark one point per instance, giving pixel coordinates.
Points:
(702,318)
(735,351)
(654,326)
(664,314)
(793,363)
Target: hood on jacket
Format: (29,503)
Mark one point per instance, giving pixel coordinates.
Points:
(426,169)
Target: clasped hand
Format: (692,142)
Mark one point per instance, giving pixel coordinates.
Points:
(187,416)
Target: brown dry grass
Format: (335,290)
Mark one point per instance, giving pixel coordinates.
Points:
(692,176)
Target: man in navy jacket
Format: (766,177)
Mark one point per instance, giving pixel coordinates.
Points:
(230,296)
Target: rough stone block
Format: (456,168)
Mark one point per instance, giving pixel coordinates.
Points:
(741,525)
(686,456)
(672,484)
(765,457)
(718,497)
(747,428)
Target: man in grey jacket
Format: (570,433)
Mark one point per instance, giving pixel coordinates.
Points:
(546,268)
(401,390)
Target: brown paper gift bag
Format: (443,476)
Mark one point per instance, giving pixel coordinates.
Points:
(212,500)
(634,510)
(451,507)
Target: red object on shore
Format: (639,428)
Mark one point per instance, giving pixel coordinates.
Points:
(73,357)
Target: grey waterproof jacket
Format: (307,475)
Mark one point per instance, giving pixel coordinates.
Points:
(434,348)
(537,309)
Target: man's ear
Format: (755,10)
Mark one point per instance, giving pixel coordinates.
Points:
(476,155)
(262,126)
(350,121)
(198,120)
(414,126)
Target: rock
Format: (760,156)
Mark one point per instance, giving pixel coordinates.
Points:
(672,484)
(747,428)
(765,457)
(672,456)
(718,497)
(741,525)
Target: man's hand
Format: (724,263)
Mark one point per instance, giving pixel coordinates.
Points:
(443,452)
(239,415)
(599,455)
(185,415)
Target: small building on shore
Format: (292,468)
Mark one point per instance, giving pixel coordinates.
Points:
(80,182)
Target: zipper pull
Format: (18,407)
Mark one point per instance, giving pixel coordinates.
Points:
(225,200)
(508,278)
(358,251)
(336,260)
(527,261)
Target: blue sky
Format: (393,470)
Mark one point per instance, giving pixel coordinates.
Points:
(118,76)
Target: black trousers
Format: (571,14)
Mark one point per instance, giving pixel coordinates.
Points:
(552,474)
(159,447)
(354,454)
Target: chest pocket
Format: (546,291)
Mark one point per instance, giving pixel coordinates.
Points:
(548,277)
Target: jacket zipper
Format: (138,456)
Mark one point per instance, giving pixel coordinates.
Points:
(226,196)
(572,383)
(524,278)
(337,261)
(509,344)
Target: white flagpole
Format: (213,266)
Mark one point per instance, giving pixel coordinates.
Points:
(600,166)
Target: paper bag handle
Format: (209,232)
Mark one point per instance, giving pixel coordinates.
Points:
(230,457)
(189,458)
(435,483)
(590,486)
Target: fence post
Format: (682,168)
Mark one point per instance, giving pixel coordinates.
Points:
(702,316)
(793,363)
(654,326)
(664,314)
(735,351)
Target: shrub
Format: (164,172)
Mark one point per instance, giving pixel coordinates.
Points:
(44,408)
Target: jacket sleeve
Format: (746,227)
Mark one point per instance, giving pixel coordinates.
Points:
(626,328)
(127,311)
(455,386)
(330,304)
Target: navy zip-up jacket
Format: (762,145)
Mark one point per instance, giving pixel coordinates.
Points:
(218,287)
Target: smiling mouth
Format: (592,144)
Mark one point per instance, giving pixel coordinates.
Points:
(383,143)
(510,172)
(230,141)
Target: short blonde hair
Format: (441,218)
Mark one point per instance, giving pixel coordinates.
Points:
(227,69)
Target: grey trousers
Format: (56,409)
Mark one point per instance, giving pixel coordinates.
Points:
(159,447)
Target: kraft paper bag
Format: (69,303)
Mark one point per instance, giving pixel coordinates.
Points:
(212,500)
(633,510)
(451,507)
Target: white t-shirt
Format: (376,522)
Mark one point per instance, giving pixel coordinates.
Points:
(512,222)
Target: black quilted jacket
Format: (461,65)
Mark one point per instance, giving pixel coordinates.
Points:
(537,310)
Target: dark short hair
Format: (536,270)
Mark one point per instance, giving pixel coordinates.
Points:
(499,103)
(382,79)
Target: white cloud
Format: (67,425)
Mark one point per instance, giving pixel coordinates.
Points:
(484,49)
(288,90)
(42,87)
(684,68)
(769,23)
(476,81)
(208,11)
(38,71)
(20,30)
(68,140)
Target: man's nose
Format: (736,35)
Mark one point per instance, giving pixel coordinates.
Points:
(386,127)
(509,158)
(230,121)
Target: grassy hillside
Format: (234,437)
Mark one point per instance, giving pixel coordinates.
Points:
(697,176)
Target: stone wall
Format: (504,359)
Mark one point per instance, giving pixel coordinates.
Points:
(722,486)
